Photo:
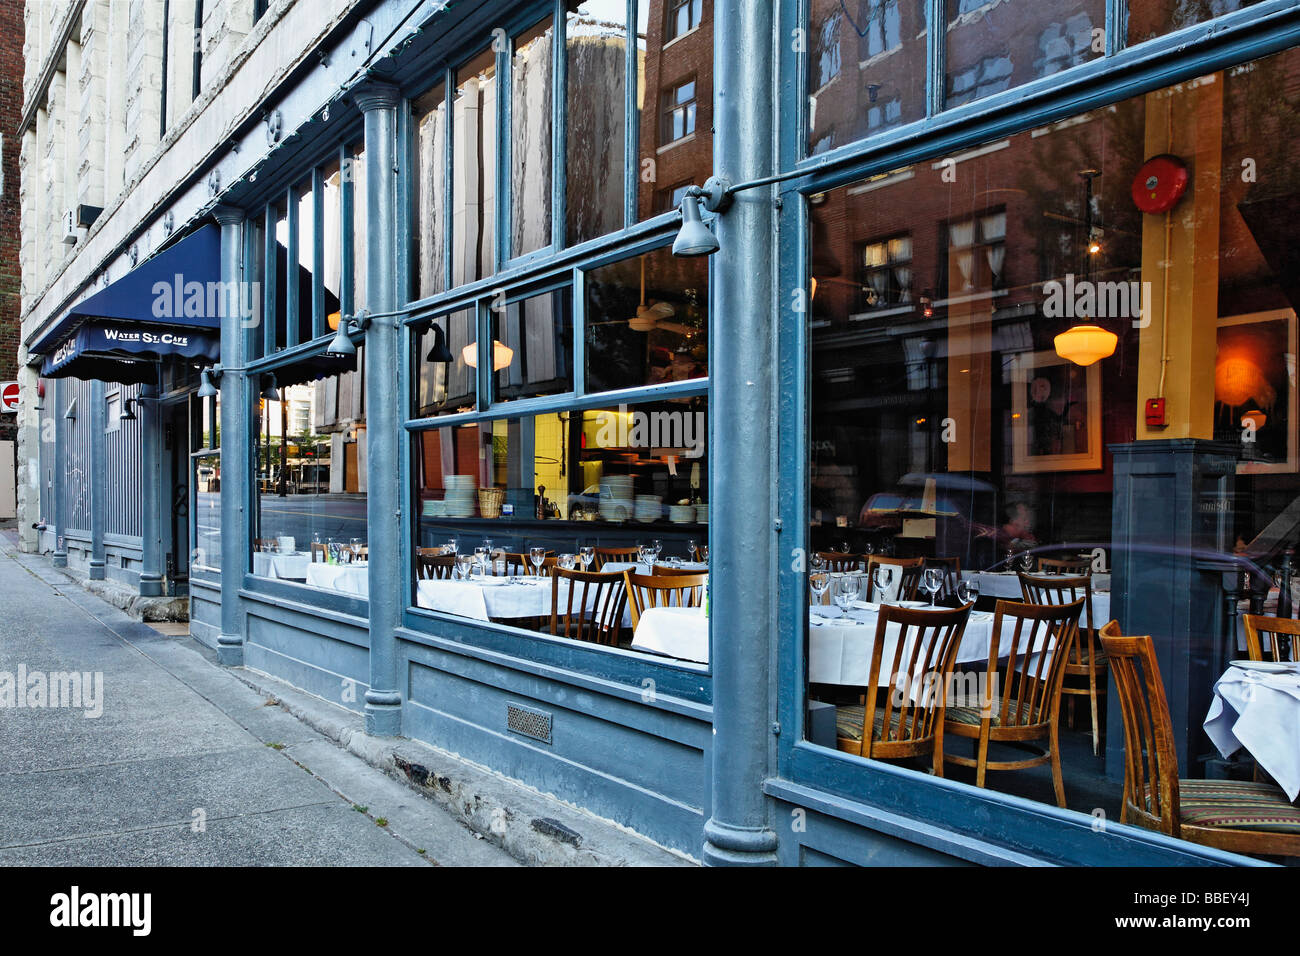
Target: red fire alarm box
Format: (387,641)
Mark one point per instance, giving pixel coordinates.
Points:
(1156,413)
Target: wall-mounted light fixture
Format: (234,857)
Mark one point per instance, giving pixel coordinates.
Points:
(269,390)
(128,410)
(341,346)
(207,382)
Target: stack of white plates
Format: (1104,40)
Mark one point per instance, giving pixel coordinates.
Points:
(434,508)
(616,497)
(702,513)
(681,514)
(648,508)
(459,501)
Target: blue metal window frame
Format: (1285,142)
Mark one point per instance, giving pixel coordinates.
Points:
(846,782)
(553,267)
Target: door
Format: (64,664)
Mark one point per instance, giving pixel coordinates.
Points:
(176,487)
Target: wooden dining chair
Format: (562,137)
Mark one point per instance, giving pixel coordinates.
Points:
(1235,815)
(523,564)
(321,549)
(837,562)
(621,555)
(1085,670)
(904,717)
(951,568)
(435,567)
(912,570)
(1283,637)
(1071,566)
(1027,701)
(667,570)
(266,544)
(659,590)
(593,606)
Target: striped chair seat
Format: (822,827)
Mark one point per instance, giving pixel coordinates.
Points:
(973,715)
(848,723)
(1236,805)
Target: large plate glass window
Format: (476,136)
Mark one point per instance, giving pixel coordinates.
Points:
(1148,19)
(474,170)
(532,82)
(428,249)
(995,383)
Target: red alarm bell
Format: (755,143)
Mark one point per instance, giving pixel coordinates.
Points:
(1160,183)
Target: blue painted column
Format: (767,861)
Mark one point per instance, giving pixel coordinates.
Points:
(743,544)
(378,101)
(235,441)
(151,577)
(59,401)
(98,478)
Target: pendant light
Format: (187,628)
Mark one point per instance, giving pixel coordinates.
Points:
(502,355)
(1086,342)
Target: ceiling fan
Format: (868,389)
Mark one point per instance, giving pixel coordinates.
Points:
(648,317)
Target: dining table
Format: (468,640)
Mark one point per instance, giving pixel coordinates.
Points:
(1005,585)
(286,566)
(1256,707)
(353,579)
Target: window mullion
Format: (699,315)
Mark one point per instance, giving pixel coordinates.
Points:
(559,125)
(347,206)
(937,56)
(291,303)
(269,275)
(632,126)
(318,253)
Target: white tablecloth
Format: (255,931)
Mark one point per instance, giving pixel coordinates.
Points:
(839,652)
(348,578)
(1260,712)
(289,567)
(680,632)
(513,597)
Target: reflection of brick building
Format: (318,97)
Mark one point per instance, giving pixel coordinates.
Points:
(677,104)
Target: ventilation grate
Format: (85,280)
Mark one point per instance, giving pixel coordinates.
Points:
(528,723)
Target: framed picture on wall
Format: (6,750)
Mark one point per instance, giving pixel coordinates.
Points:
(1255,396)
(1055,414)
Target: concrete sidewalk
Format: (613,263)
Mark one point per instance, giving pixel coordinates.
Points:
(187,765)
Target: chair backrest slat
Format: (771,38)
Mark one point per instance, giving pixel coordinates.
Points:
(1283,637)
(1029,680)
(659,590)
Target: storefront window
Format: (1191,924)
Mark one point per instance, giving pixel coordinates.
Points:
(474,170)
(610,479)
(445,381)
(428,250)
(531,85)
(596,46)
(866,68)
(311,484)
(994,45)
(532,346)
(675,103)
(647,321)
(1077,374)
(206,481)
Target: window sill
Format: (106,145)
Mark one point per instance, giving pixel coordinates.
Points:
(689,138)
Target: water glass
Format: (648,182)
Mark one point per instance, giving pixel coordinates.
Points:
(932,581)
(586,555)
(567,561)
(884,580)
(847,589)
(538,557)
(968,591)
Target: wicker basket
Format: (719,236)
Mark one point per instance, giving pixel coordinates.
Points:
(490,501)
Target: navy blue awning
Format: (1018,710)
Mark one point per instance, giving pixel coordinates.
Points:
(128,352)
(178,291)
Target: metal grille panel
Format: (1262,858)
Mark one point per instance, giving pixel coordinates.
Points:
(528,722)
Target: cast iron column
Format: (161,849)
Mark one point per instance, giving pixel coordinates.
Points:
(742,411)
(151,578)
(98,478)
(59,401)
(235,439)
(378,101)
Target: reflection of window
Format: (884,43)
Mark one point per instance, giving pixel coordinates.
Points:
(884,115)
(683,16)
(826,53)
(990,75)
(886,276)
(978,253)
(823,144)
(884,27)
(669,199)
(679,112)
(1063,45)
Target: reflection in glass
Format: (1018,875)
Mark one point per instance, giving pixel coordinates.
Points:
(995,46)
(427,246)
(474,169)
(531,83)
(332,239)
(647,321)
(533,346)
(357,165)
(1152,18)
(306,262)
(596,47)
(674,103)
(445,383)
(866,69)
(310,478)
(207,513)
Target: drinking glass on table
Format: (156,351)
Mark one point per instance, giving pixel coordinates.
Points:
(657,547)
(932,581)
(356,545)
(690,548)
(968,591)
(819,580)
(538,557)
(586,555)
(884,581)
(453,546)
(567,561)
(645,556)
(704,553)
(847,589)
(464,564)
(1027,562)
(482,556)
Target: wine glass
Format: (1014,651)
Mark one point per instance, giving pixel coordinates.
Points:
(482,556)
(538,557)
(704,553)
(656,546)
(645,556)
(819,580)
(1027,562)
(868,551)
(465,565)
(567,561)
(884,580)
(453,546)
(968,591)
(932,581)
(847,589)
(586,555)
(356,544)
(690,548)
